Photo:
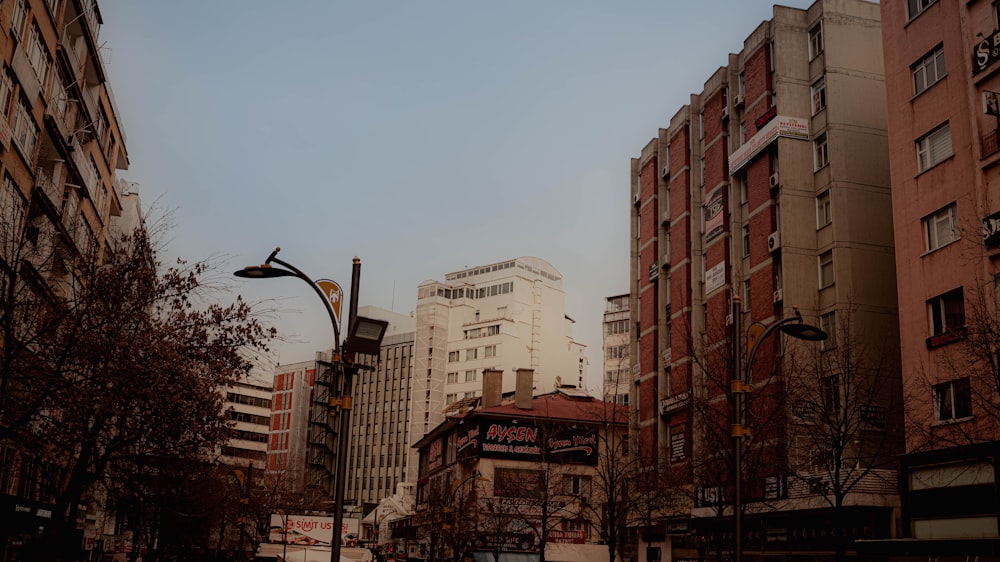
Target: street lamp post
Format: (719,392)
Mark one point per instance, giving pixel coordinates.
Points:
(365,336)
(741,387)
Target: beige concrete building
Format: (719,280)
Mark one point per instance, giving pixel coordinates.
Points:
(765,197)
(617,344)
(507,315)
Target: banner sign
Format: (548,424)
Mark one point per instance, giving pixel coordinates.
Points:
(986,52)
(715,216)
(780,126)
(307,529)
(524,440)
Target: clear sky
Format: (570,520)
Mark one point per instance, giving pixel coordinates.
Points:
(421,136)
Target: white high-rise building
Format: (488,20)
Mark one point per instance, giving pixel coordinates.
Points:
(507,315)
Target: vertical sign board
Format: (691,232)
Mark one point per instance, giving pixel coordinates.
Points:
(333,293)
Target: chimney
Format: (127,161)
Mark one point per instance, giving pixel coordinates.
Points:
(492,387)
(524,388)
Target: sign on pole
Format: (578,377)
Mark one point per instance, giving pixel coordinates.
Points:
(331,289)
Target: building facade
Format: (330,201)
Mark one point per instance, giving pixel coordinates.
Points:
(942,84)
(249,407)
(767,197)
(508,315)
(510,477)
(61,146)
(617,367)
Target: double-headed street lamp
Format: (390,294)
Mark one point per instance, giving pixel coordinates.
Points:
(741,387)
(364,335)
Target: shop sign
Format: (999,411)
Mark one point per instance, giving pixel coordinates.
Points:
(986,52)
(780,126)
(766,117)
(715,216)
(566,537)
(715,277)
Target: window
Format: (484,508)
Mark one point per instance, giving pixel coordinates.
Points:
(470,375)
(492,330)
(829,389)
(828,323)
(12,204)
(915,7)
(941,228)
(740,85)
(746,240)
(450,398)
(615,352)
(452,378)
(946,313)
(18,18)
(452,356)
(701,125)
(25,131)
(953,400)
(743,132)
(38,55)
(6,92)
(746,295)
(576,485)
(934,147)
(490,351)
(501,312)
(826,269)
(816,40)
(471,353)
(742,181)
(821,153)
(928,70)
(824,211)
(819,95)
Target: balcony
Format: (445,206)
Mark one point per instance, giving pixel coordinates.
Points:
(86,172)
(70,54)
(991,143)
(30,86)
(45,180)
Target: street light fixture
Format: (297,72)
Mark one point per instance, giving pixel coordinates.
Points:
(792,326)
(365,337)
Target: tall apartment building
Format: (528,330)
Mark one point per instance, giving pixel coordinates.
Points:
(379,419)
(250,411)
(617,366)
(942,87)
(770,189)
(380,424)
(61,145)
(507,315)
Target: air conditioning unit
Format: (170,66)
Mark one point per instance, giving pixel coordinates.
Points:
(729,320)
(665,172)
(665,219)
(774,242)
(666,260)
(774,182)
(635,199)
(778,297)
(738,100)
(725,112)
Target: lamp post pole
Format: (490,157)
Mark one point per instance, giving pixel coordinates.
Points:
(341,383)
(741,387)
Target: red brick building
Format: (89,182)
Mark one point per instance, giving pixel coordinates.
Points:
(770,191)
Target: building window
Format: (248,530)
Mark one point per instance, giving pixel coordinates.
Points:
(829,389)
(701,125)
(490,351)
(18,18)
(452,356)
(25,131)
(816,40)
(915,7)
(452,378)
(743,132)
(470,375)
(451,398)
(6,92)
(828,323)
(576,485)
(946,313)
(746,295)
(742,181)
(38,55)
(819,95)
(740,85)
(826,269)
(615,352)
(821,153)
(928,70)
(953,400)
(934,147)
(746,241)
(824,210)
(471,353)
(941,228)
